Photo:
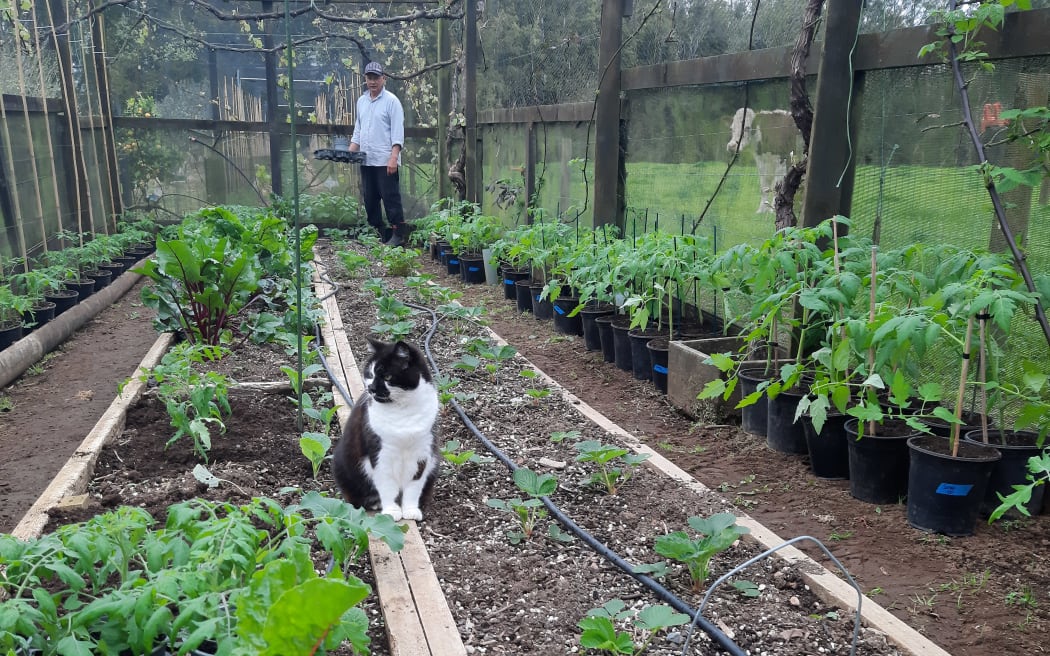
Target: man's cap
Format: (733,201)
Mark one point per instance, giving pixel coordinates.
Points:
(374,67)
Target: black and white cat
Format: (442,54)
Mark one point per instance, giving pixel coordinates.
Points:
(388,457)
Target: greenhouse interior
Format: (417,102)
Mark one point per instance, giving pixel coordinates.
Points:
(524,327)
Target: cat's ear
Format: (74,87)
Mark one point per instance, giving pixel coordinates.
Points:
(402,350)
(374,344)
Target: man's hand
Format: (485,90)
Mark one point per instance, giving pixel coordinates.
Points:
(391,165)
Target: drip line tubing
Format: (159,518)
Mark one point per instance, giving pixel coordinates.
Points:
(598,547)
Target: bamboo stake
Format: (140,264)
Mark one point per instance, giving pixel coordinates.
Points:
(871,318)
(960,399)
(71,115)
(983,375)
(9,153)
(29,137)
(89,101)
(108,135)
(47,122)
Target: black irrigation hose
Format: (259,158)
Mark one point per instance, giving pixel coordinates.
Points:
(601,549)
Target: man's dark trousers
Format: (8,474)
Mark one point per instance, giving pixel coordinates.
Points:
(377,186)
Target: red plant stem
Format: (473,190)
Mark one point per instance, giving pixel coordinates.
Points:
(320,641)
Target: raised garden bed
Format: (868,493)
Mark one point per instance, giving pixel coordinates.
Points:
(507,598)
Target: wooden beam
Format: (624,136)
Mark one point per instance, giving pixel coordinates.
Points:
(208,125)
(13,103)
(1022,35)
(581,112)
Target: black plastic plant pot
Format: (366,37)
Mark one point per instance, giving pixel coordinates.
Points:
(1015,447)
(523,295)
(945,491)
(754,418)
(783,433)
(641,365)
(828,450)
(658,354)
(84,287)
(592,334)
(38,315)
(563,323)
(472,267)
(622,344)
(451,263)
(510,278)
(10,332)
(879,463)
(542,308)
(63,299)
(606,335)
(102,277)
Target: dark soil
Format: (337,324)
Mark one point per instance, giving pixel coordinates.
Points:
(967,594)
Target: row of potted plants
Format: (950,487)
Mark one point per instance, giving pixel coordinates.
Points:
(880,367)
(32,293)
(845,336)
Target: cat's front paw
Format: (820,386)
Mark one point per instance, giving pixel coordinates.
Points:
(415,514)
(394,512)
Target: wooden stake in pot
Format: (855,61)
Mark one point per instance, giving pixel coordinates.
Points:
(962,388)
(871,318)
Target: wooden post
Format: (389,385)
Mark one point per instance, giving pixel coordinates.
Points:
(829,188)
(470,105)
(272,113)
(530,165)
(444,93)
(608,187)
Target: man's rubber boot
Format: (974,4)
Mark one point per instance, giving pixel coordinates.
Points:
(397,237)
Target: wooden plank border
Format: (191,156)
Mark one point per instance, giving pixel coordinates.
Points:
(74,476)
(823,582)
(417,617)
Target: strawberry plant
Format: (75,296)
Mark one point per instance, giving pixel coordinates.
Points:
(615,464)
(717,533)
(599,630)
(531,510)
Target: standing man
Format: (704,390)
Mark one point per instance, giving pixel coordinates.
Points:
(379,131)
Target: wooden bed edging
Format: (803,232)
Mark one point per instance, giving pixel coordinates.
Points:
(74,476)
(417,617)
(830,588)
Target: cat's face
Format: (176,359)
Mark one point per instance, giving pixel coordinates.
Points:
(393,370)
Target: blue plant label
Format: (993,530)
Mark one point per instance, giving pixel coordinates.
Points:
(508,281)
(953,490)
(659,368)
(453,262)
(473,269)
(559,310)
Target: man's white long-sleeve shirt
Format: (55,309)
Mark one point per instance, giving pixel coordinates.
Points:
(379,126)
